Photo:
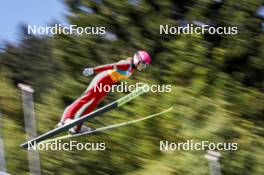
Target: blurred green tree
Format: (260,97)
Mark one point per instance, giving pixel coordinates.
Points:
(217,85)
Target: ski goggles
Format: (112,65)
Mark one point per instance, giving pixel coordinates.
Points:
(141,63)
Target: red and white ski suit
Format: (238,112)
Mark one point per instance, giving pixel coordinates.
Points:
(107,75)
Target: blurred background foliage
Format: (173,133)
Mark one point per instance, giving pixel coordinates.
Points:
(217,87)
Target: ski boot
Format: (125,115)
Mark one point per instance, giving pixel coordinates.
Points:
(84,128)
(61,123)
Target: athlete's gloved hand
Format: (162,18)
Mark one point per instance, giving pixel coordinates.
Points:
(88,71)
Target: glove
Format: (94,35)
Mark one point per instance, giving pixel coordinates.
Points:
(88,71)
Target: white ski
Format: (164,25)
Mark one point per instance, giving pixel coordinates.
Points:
(106,127)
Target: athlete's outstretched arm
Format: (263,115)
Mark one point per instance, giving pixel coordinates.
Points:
(122,65)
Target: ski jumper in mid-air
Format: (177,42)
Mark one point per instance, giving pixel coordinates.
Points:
(107,75)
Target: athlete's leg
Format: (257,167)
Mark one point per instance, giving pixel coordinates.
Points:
(87,108)
(89,100)
(71,110)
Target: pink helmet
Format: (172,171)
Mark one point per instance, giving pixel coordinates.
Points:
(143,56)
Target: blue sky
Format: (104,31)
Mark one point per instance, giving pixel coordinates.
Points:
(38,12)
(35,12)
